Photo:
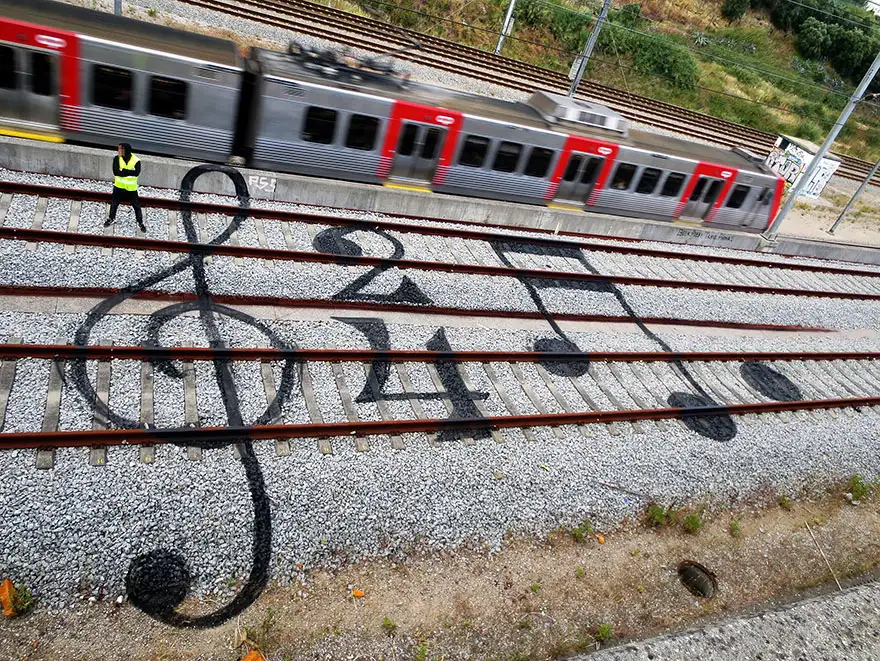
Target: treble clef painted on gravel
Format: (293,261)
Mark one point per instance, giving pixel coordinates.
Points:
(158,581)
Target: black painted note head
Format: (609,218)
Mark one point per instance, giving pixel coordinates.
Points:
(157,582)
(718,427)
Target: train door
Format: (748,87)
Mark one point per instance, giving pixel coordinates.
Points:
(703,197)
(579,178)
(29,85)
(40,87)
(418,151)
(756,208)
(10,82)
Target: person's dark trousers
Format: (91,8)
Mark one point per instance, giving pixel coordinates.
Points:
(129,196)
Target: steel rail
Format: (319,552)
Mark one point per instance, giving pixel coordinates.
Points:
(155,353)
(31,291)
(194,435)
(410,228)
(255,252)
(496,69)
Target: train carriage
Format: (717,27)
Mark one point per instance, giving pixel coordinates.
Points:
(71,73)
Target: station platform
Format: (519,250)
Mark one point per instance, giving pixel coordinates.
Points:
(91,163)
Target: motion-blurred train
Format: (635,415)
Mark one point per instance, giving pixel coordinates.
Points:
(70,73)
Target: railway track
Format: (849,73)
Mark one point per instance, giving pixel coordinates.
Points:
(592,264)
(501,392)
(376,36)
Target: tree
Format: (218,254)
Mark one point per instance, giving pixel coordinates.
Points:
(814,39)
(733,10)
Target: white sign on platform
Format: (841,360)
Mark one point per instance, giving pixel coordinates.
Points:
(789,159)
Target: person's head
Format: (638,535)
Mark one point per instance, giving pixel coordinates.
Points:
(124,150)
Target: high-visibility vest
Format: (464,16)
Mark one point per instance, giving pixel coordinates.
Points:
(127,183)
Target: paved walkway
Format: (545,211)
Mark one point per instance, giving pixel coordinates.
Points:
(837,627)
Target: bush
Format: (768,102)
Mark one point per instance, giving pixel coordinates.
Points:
(659,56)
(656,516)
(813,39)
(733,10)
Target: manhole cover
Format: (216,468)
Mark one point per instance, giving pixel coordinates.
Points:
(697,579)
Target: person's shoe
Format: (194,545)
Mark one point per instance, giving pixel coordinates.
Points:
(109,222)
(143,227)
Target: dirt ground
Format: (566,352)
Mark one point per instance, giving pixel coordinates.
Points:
(813,218)
(536,599)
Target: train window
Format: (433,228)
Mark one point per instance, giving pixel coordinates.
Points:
(539,162)
(473,152)
(738,196)
(319,125)
(591,169)
(571,171)
(167,97)
(672,185)
(507,157)
(7,68)
(623,176)
(648,181)
(42,80)
(698,189)
(407,140)
(765,196)
(362,132)
(111,87)
(432,139)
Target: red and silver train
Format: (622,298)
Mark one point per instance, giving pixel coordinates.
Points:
(69,73)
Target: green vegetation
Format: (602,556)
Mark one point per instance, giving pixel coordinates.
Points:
(692,523)
(583,531)
(735,529)
(777,66)
(389,626)
(656,516)
(604,632)
(859,488)
(22,599)
(786,503)
(535,587)
(579,572)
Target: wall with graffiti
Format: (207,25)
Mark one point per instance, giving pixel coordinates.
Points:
(789,160)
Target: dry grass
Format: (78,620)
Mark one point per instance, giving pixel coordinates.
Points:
(468,605)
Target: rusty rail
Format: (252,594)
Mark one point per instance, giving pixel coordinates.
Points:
(318,303)
(187,435)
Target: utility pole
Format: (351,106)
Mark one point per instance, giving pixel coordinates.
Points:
(117,7)
(588,49)
(773,230)
(505,27)
(855,197)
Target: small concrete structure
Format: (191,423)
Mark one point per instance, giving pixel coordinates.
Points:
(792,156)
(161,172)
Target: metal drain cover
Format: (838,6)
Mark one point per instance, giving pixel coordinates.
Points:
(699,580)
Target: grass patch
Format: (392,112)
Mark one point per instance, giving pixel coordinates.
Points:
(693,522)
(583,531)
(735,529)
(786,503)
(859,488)
(389,626)
(656,516)
(579,572)
(22,599)
(604,632)
(535,587)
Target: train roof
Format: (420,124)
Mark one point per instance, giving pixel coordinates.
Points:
(103,25)
(283,66)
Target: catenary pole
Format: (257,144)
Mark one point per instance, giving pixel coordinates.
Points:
(771,231)
(855,197)
(588,49)
(117,7)
(505,27)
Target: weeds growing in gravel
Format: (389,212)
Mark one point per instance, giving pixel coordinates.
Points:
(693,522)
(582,532)
(579,572)
(786,503)
(389,626)
(735,529)
(604,632)
(22,599)
(859,488)
(656,516)
(535,587)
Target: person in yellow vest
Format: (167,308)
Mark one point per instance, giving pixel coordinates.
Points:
(126,168)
